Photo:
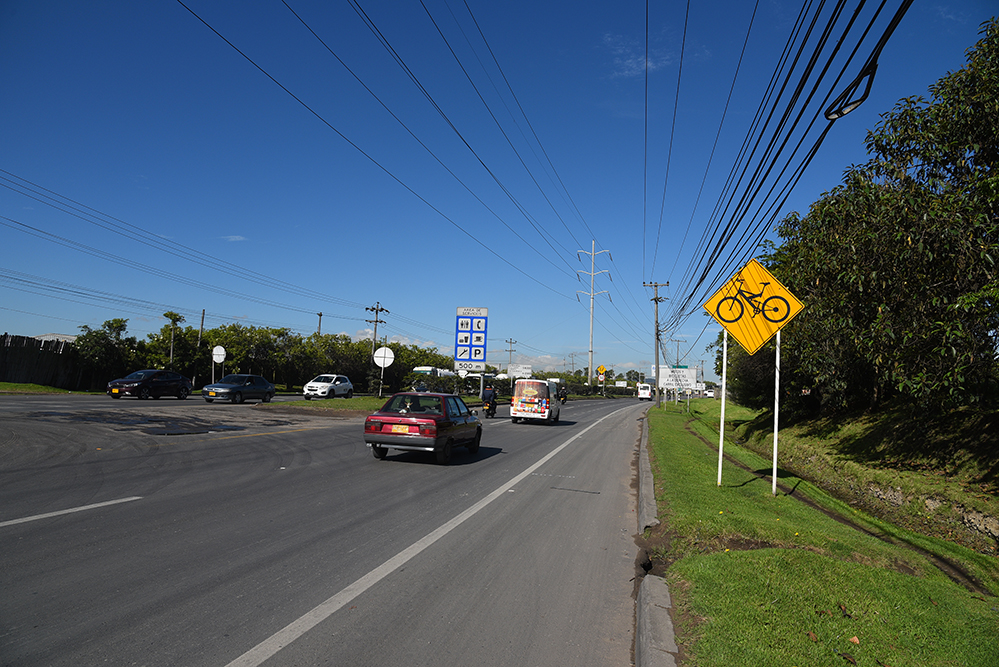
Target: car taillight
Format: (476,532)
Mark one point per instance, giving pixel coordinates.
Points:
(373,426)
(428,430)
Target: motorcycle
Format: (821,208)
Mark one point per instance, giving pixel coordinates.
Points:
(562,398)
(489,407)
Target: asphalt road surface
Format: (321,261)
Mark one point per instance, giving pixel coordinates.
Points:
(181,533)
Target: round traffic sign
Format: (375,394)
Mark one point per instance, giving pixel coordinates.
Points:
(218,354)
(384,356)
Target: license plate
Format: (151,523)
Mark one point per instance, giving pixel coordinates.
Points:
(114,391)
(400,428)
(211,393)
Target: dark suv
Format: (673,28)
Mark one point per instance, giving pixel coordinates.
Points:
(150,382)
(237,388)
(423,422)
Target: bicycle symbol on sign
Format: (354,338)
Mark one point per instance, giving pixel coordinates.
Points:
(775,308)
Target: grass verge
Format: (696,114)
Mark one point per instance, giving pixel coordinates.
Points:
(23,388)
(763,580)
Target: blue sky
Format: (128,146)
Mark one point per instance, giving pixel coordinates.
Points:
(423,156)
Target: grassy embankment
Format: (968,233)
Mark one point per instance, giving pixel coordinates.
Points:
(766,580)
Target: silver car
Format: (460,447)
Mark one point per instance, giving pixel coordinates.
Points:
(328,386)
(237,388)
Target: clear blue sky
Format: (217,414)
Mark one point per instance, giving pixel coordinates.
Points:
(135,137)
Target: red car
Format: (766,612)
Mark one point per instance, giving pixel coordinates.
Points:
(422,422)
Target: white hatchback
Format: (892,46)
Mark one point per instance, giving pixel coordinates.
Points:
(328,386)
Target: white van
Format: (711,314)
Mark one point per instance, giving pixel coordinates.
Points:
(644,392)
(535,399)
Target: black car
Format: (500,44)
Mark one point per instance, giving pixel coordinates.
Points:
(237,388)
(151,382)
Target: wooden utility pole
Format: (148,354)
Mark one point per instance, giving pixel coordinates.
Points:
(376,309)
(657,299)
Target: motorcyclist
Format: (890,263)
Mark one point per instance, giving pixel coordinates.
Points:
(489,401)
(563,393)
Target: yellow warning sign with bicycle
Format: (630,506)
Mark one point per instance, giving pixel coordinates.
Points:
(753,306)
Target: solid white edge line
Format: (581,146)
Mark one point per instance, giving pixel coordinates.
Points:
(69,511)
(270,646)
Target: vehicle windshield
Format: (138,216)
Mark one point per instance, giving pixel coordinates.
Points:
(139,375)
(233,379)
(407,403)
(531,389)
(325,379)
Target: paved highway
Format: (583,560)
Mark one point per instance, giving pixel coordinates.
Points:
(181,533)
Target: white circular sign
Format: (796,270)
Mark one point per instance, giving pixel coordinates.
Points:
(218,354)
(384,356)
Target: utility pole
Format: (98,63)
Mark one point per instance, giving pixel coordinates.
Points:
(319,331)
(572,363)
(657,299)
(376,309)
(592,273)
(510,342)
(201,330)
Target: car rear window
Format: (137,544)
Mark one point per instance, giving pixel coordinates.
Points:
(408,403)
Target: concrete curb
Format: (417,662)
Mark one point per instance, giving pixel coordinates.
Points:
(647,511)
(655,644)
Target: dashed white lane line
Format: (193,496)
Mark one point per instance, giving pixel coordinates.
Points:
(68,511)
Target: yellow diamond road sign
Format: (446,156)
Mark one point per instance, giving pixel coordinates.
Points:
(753,306)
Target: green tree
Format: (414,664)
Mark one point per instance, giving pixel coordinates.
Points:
(175,319)
(897,266)
(106,353)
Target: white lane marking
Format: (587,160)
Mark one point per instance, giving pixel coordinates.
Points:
(69,511)
(270,646)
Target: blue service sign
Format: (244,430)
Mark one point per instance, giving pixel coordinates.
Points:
(470,336)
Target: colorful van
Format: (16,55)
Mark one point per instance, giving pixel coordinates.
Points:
(535,400)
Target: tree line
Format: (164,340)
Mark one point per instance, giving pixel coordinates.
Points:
(283,357)
(897,265)
(279,354)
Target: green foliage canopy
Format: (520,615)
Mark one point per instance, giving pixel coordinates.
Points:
(897,265)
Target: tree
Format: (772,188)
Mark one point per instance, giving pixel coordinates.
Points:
(175,319)
(106,352)
(897,266)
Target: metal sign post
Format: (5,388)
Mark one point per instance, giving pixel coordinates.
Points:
(218,357)
(752,306)
(384,356)
(721,424)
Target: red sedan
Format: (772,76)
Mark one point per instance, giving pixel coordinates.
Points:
(422,422)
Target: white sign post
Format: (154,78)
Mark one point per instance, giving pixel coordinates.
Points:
(384,356)
(218,357)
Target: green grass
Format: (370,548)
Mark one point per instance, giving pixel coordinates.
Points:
(753,573)
(22,388)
